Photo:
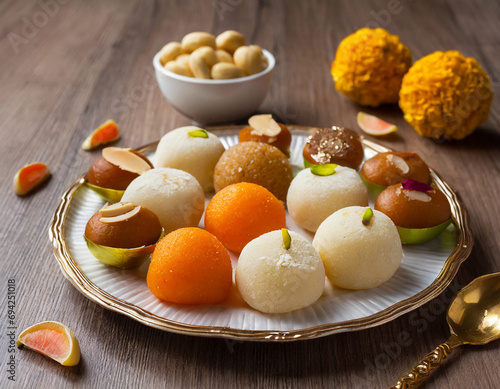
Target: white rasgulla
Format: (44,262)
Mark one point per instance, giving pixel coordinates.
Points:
(272,279)
(175,196)
(195,155)
(312,198)
(358,256)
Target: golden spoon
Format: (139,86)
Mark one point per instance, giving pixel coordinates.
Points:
(473,317)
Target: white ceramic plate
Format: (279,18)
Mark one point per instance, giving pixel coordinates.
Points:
(425,272)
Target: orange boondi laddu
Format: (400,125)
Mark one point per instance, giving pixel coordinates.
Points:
(190,266)
(242,212)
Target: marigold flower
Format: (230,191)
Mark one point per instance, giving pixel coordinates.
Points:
(445,95)
(369,66)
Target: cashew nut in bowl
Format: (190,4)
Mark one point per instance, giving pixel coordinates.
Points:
(250,59)
(229,41)
(201,60)
(183,60)
(170,52)
(225,70)
(223,56)
(194,40)
(178,68)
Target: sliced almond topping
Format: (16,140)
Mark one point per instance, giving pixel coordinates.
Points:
(399,162)
(110,210)
(125,159)
(418,196)
(264,125)
(122,217)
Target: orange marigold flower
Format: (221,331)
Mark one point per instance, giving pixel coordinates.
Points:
(445,95)
(369,66)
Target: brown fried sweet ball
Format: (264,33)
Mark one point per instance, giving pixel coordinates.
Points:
(413,209)
(334,145)
(257,163)
(282,141)
(141,229)
(107,175)
(392,168)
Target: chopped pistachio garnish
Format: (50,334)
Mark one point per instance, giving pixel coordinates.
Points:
(201,133)
(287,240)
(324,170)
(367,215)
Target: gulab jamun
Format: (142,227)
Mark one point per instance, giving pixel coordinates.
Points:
(123,225)
(108,172)
(391,168)
(413,204)
(334,145)
(264,129)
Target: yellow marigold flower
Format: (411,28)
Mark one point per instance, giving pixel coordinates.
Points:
(369,66)
(445,95)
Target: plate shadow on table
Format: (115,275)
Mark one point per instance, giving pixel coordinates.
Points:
(483,138)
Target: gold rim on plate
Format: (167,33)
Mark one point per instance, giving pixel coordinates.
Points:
(463,247)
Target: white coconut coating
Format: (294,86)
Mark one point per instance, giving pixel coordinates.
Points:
(312,198)
(358,256)
(273,279)
(173,195)
(195,155)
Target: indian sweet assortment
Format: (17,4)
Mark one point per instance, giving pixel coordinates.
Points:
(246,188)
(250,188)
(202,199)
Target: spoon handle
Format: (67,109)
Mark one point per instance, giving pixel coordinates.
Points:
(422,370)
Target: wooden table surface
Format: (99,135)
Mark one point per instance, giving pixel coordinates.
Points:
(66,66)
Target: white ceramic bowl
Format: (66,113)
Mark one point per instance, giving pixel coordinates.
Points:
(215,101)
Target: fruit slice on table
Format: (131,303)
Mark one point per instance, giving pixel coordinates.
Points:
(375,126)
(106,133)
(52,339)
(29,177)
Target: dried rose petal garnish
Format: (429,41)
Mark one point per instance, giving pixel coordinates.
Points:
(410,184)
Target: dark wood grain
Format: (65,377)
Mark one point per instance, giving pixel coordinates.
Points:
(91,60)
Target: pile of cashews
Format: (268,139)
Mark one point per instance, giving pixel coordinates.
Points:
(202,55)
